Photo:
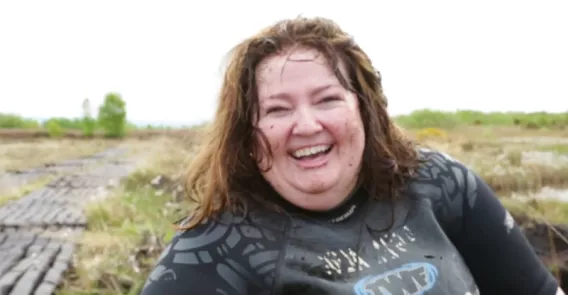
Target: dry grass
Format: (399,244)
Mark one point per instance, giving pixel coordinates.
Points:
(128,230)
(19,155)
(507,165)
(552,211)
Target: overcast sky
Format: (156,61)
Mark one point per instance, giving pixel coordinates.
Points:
(165,57)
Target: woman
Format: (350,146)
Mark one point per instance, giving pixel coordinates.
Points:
(306,186)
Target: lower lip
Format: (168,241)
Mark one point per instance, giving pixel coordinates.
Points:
(311,163)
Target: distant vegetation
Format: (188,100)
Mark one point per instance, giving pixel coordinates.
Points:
(112,116)
(447,120)
(16,121)
(112,120)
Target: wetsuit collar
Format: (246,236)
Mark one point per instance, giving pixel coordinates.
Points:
(338,214)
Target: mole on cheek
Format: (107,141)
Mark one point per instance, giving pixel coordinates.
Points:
(271,126)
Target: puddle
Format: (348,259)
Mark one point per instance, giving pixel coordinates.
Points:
(545,158)
(546,193)
(537,140)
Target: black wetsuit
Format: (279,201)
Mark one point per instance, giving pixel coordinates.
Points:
(450,236)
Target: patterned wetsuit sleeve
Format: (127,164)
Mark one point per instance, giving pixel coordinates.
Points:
(498,255)
(173,274)
(226,258)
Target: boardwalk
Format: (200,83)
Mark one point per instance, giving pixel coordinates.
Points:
(37,230)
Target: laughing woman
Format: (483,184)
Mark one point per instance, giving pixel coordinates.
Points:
(306,186)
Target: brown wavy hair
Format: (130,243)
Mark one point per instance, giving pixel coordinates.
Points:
(224,174)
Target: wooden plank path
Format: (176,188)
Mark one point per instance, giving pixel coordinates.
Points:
(38,229)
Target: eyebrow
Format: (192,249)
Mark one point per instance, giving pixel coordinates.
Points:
(314,92)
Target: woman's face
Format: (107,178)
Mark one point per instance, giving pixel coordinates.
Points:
(314,129)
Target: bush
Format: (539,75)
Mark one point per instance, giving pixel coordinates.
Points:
(428,119)
(54,129)
(66,123)
(112,116)
(15,121)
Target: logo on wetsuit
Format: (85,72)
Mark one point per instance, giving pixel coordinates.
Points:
(409,279)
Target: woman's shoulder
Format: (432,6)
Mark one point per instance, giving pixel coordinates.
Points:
(226,229)
(438,169)
(197,259)
(445,183)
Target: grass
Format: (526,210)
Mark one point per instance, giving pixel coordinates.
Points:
(126,233)
(128,230)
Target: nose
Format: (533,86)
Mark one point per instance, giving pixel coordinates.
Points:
(306,123)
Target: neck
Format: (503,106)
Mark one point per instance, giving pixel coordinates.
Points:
(355,199)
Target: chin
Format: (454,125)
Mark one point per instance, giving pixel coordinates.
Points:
(316,188)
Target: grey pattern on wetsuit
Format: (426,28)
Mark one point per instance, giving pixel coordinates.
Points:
(240,254)
(447,183)
(447,236)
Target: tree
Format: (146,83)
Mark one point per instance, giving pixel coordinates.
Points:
(112,115)
(89,124)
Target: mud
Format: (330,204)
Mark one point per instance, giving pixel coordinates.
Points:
(550,242)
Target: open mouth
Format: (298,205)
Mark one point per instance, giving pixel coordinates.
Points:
(311,152)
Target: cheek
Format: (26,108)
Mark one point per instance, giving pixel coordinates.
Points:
(355,131)
(348,128)
(351,132)
(274,134)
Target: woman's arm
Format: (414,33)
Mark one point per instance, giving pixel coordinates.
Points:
(180,272)
(215,258)
(497,253)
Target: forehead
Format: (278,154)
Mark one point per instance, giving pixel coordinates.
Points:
(292,72)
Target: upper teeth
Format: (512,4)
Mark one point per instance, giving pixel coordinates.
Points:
(310,151)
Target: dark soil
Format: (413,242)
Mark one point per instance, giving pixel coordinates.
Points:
(550,243)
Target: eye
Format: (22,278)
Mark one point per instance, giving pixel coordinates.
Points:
(330,99)
(275,109)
